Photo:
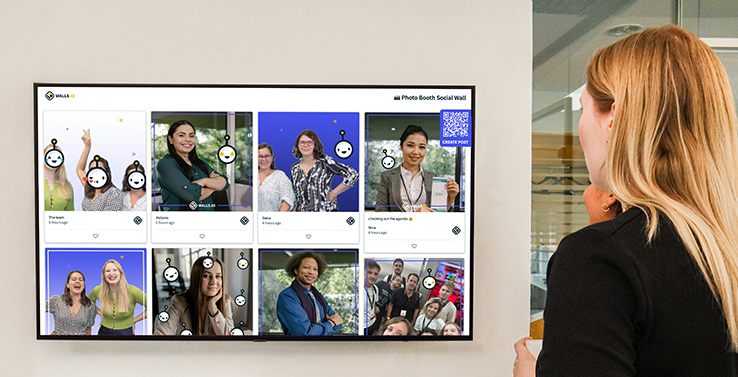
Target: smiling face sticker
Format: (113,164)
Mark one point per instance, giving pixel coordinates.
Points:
(163,316)
(54,158)
(97,178)
(429,282)
(343,148)
(227,154)
(240,300)
(136,179)
(171,274)
(207,262)
(243,263)
(388,162)
(237,332)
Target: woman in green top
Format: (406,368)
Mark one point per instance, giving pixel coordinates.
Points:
(183,177)
(117,301)
(58,193)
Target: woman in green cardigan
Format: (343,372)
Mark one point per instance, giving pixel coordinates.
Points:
(58,193)
(117,301)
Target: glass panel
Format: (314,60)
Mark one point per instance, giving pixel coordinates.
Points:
(565,35)
(730,61)
(711,18)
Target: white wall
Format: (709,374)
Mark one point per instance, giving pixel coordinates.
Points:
(486,43)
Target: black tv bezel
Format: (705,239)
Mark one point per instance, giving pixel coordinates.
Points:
(469,269)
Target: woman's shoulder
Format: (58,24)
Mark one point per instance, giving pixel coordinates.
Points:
(132,289)
(166,161)
(279,175)
(629,226)
(390,173)
(55,300)
(179,300)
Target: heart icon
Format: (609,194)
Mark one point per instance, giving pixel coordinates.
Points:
(414,245)
(308,236)
(94,235)
(202,236)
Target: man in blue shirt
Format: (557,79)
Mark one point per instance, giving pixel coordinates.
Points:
(301,309)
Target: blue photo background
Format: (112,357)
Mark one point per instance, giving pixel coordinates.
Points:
(280,130)
(59,262)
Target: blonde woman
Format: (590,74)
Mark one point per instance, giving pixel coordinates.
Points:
(117,301)
(58,193)
(428,318)
(652,292)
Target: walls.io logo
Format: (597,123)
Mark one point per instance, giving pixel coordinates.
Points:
(49,95)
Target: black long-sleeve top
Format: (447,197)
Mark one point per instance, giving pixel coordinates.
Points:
(619,306)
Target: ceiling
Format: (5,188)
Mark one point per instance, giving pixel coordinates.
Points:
(566,33)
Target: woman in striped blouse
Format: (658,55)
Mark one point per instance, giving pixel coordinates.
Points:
(313,173)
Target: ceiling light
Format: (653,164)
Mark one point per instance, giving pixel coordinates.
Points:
(624,29)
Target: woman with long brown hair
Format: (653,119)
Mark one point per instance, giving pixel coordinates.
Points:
(204,308)
(652,292)
(105,198)
(73,311)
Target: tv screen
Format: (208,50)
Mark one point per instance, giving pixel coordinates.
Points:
(254,212)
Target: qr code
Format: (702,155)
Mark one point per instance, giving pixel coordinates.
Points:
(455,124)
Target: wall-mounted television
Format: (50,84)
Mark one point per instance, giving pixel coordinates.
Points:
(254,212)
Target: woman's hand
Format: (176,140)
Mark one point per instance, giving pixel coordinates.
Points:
(211,301)
(452,189)
(86,138)
(82,163)
(525,363)
(332,196)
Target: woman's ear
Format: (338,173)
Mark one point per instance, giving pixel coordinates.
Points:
(610,200)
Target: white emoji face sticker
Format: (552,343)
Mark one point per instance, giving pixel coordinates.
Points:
(236,332)
(163,316)
(207,262)
(243,263)
(429,282)
(171,274)
(97,178)
(54,158)
(388,162)
(240,300)
(227,154)
(136,179)
(185,332)
(344,149)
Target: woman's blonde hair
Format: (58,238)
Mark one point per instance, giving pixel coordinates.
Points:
(433,301)
(121,306)
(60,175)
(673,147)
